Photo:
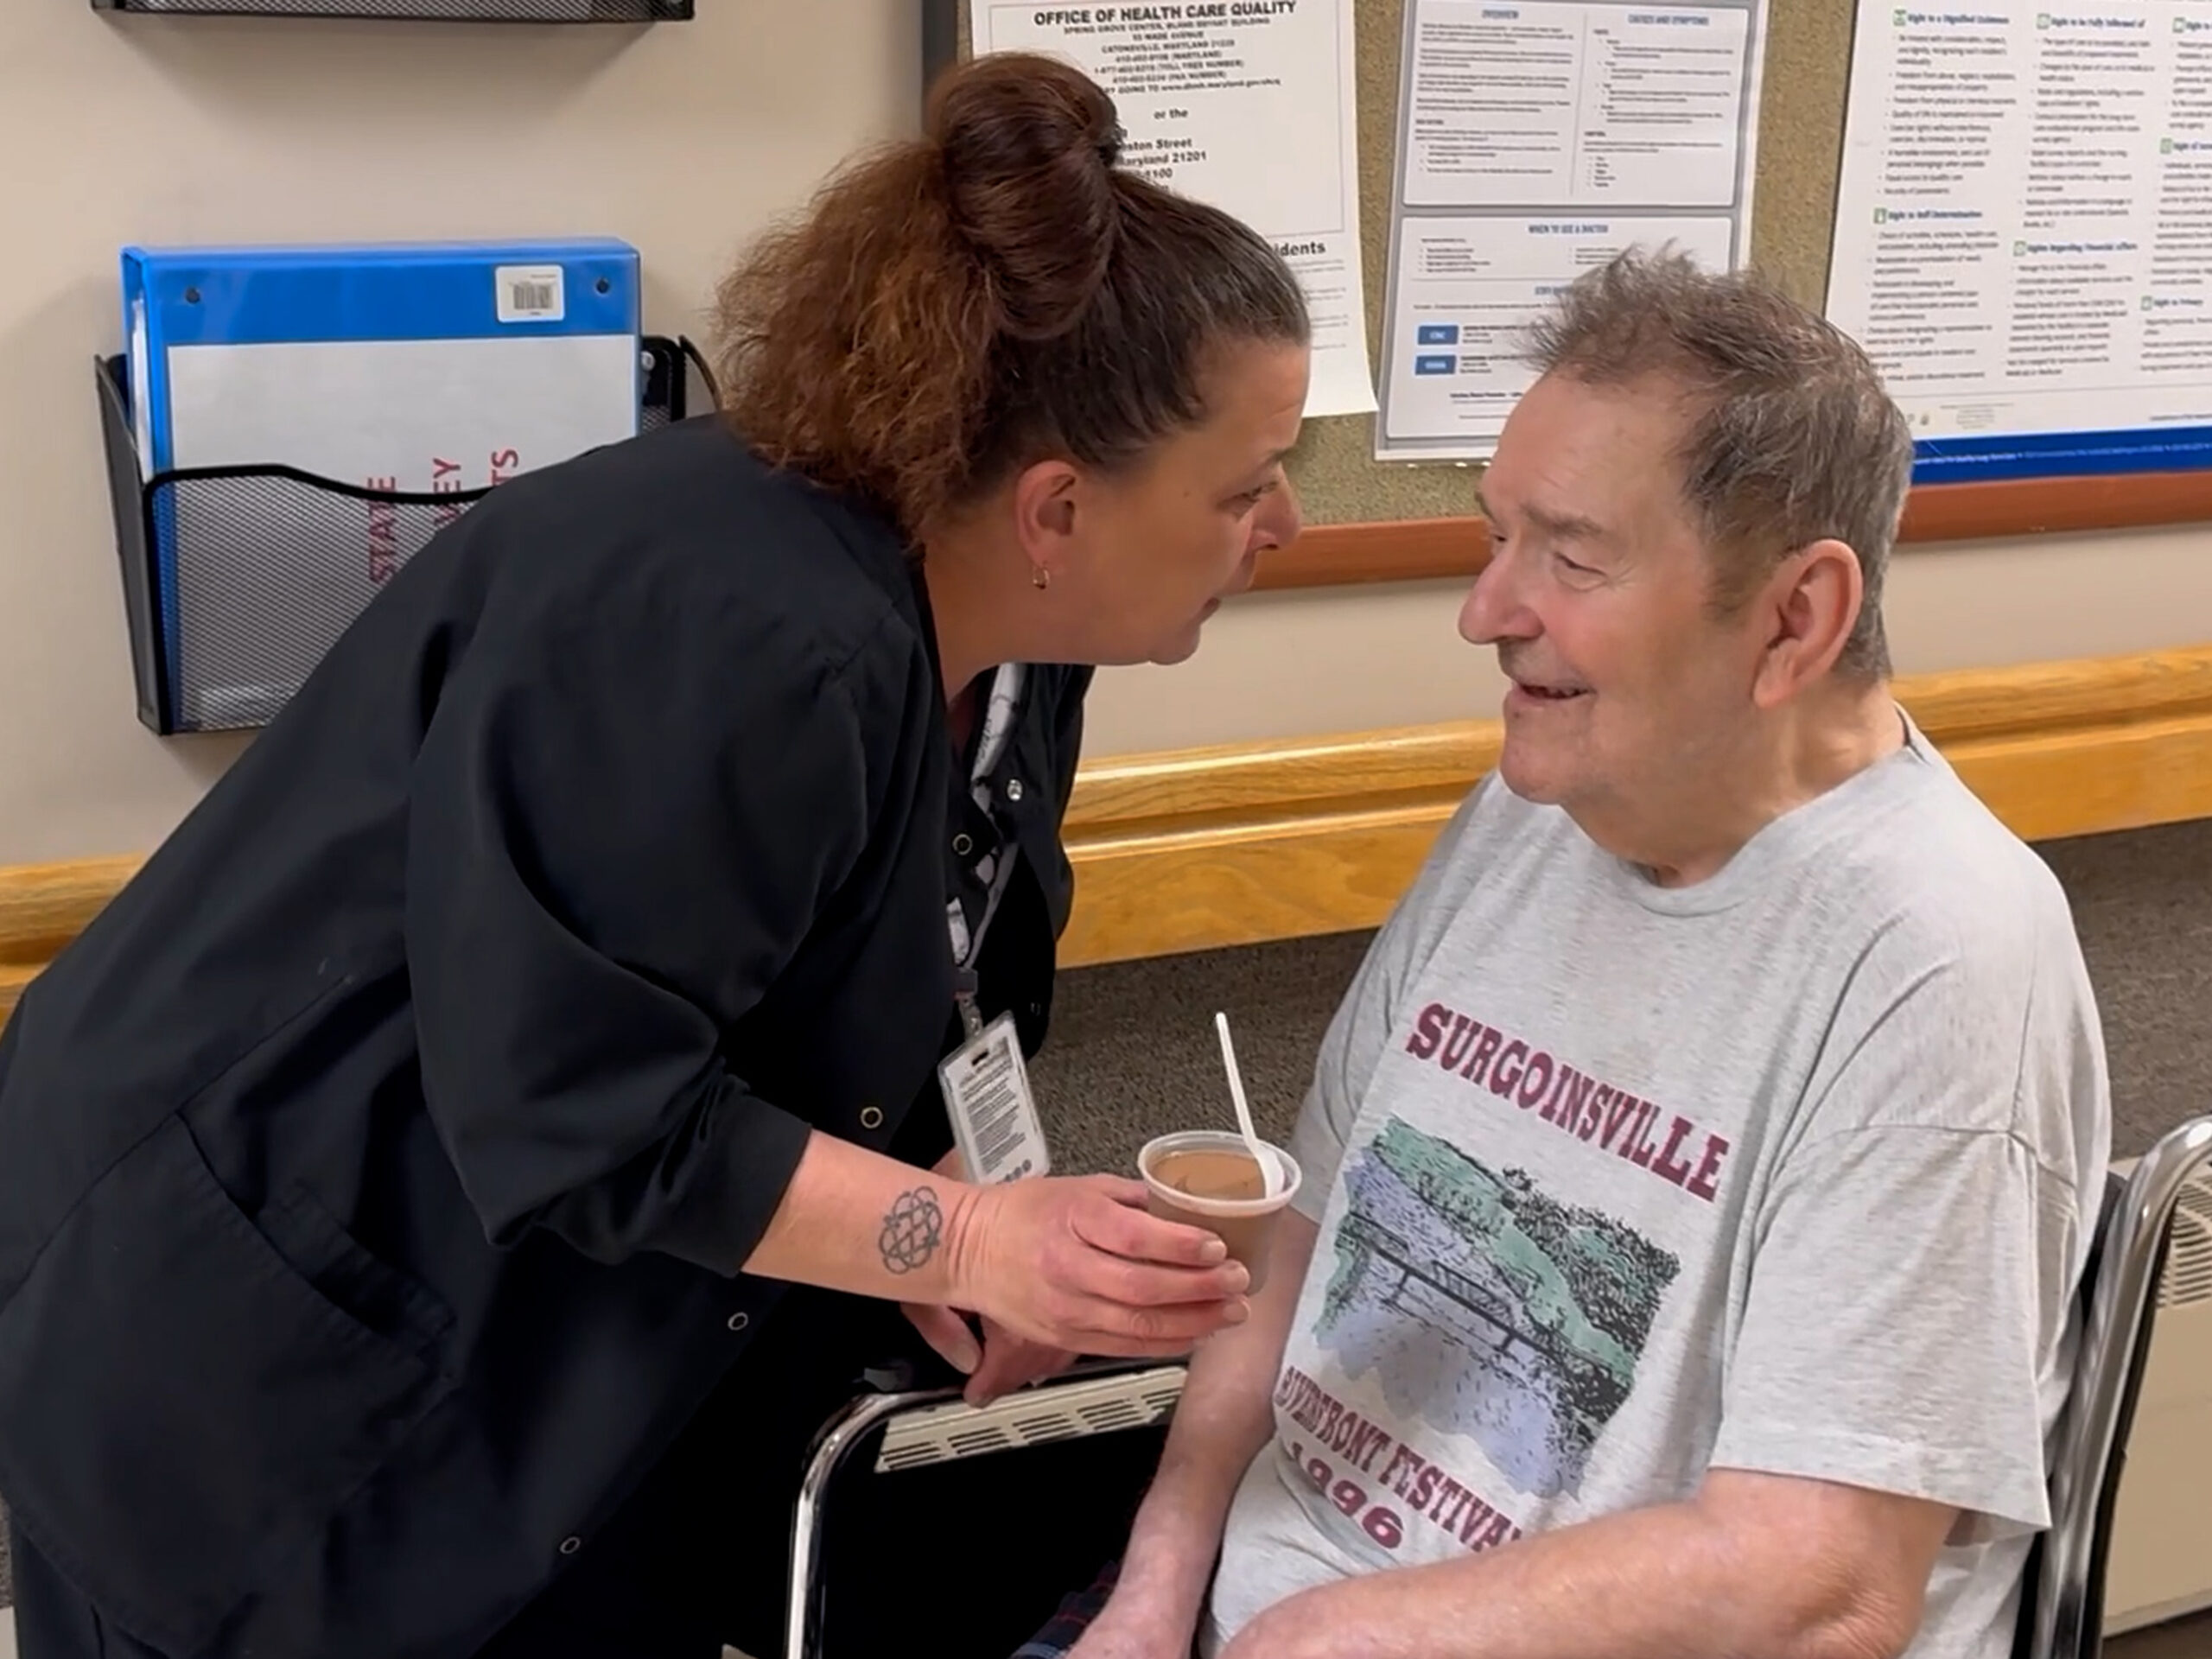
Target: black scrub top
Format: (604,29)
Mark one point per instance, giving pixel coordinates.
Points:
(376,1171)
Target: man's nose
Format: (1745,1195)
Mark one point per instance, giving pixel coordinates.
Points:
(1496,610)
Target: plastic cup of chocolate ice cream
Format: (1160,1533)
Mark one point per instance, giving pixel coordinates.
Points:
(1209,1178)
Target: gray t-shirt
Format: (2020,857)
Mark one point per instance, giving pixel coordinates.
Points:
(1793,1171)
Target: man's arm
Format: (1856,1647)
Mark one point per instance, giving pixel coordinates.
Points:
(1226,1411)
(1221,1423)
(1756,1567)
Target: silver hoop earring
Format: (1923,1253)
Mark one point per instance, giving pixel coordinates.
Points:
(1041,577)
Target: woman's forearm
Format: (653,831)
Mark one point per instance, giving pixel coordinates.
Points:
(855,1220)
(1071,1262)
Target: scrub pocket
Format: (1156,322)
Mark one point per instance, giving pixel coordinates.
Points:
(181,1407)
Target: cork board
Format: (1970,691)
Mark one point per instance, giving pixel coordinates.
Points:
(1793,214)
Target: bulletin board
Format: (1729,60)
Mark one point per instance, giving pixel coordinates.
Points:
(1800,153)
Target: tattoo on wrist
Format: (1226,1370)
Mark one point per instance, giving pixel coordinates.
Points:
(912,1228)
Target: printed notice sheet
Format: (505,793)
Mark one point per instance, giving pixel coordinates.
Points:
(1538,138)
(2024,227)
(1247,104)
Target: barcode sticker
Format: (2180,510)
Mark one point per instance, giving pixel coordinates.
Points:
(530,293)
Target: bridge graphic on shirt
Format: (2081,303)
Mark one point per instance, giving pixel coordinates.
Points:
(1484,1306)
(1360,1237)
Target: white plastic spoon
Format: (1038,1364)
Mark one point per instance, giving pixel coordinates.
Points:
(1270,1175)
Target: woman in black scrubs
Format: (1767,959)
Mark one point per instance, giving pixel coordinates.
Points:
(439,1194)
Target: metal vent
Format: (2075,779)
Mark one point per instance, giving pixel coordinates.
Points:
(2188,1277)
(1060,1411)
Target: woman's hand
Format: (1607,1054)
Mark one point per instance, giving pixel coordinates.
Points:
(1011,1362)
(1002,1362)
(1068,1262)
(1074,1263)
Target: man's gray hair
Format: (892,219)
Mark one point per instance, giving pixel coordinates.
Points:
(1792,440)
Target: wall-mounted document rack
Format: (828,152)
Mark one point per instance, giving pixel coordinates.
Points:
(227,621)
(419,11)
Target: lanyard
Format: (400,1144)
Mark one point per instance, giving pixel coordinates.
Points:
(967,945)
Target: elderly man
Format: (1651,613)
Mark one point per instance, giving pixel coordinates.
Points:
(1699,1172)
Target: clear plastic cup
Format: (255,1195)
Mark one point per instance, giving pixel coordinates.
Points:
(1207,1177)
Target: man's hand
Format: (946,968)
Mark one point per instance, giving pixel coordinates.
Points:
(1131,1628)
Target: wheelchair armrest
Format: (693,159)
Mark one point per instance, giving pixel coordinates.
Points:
(935,1425)
(1085,1400)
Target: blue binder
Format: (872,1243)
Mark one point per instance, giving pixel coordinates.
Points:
(177,298)
(388,369)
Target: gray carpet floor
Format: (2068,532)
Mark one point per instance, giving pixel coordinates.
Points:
(1134,1053)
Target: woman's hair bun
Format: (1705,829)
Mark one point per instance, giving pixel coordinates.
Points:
(1028,145)
(955,307)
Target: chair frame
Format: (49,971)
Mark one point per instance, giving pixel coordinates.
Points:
(2062,1613)
(844,1433)
(2065,1614)
(803,1602)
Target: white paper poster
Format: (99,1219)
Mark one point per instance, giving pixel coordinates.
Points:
(1536,140)
(2024,224)
(1247,104)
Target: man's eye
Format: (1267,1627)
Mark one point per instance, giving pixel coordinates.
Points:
(1572,567)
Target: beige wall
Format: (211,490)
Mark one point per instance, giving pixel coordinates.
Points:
(682,139)
(1349,660)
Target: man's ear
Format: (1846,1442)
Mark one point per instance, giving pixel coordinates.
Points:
(1810,605)
(1045,501)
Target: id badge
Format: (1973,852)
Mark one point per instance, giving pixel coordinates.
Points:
(993,1114)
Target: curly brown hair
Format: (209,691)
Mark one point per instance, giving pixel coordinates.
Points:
(950,310)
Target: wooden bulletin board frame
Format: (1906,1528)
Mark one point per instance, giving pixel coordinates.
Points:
(1370,521)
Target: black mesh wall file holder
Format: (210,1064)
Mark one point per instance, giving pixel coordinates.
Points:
(237,580)
(436,11)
